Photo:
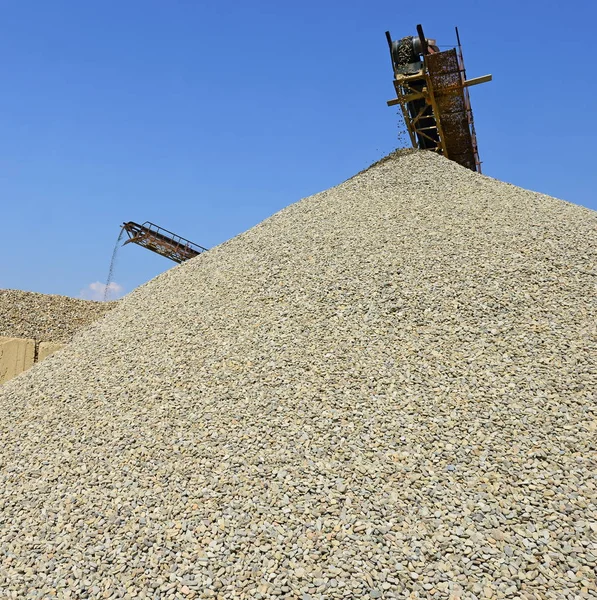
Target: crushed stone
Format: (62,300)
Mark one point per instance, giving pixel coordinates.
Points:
(386,390)
(46,317)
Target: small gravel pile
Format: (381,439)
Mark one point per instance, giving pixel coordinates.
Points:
(46,318)
(386,390)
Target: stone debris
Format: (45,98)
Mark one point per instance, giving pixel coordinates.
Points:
(46,318)
(386,390)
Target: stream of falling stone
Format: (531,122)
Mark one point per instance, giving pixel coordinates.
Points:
(112,264)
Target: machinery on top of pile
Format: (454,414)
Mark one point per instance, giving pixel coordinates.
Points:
(161,241)
(432,91)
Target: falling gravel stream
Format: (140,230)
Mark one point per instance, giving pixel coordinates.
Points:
(112,265)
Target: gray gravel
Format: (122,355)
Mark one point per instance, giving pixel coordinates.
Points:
(384,391)
(46,318)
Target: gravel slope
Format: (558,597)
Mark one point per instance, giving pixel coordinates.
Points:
(46,318)
(384,391)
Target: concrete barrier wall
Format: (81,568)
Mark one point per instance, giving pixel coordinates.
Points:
(19,354)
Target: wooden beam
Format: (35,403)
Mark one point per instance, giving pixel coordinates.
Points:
(478,80)
(408,98)
(467,83)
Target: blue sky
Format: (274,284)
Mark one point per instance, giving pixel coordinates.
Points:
(207,117)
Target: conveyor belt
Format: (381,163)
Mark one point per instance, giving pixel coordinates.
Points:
(447,87)
(432,92)
(161,241)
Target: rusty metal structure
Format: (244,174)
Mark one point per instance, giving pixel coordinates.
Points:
(161,241)
(432,91)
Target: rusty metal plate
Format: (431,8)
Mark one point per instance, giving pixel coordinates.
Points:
(452,106)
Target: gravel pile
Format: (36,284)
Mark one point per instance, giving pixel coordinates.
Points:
(46,318)
(386,390)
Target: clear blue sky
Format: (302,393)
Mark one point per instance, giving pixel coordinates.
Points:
(206,117)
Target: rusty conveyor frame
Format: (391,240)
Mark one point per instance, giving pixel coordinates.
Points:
(445,89)
(161,241)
